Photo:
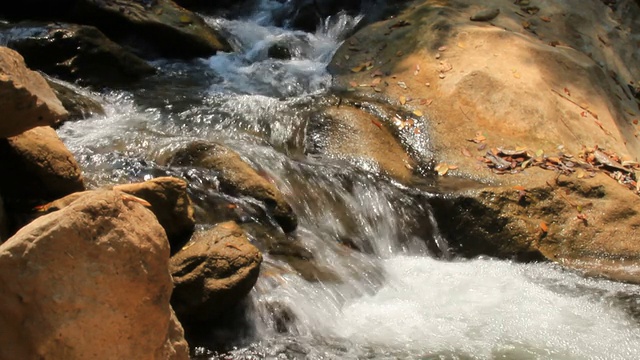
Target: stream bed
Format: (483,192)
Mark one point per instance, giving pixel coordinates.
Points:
(404,296)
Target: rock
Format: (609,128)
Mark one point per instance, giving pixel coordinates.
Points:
(309,14)
(485,15)
(165,27)
(591,222)
(213,272)
(236,177)
(4,229)
(89,281)
(279,51)
(78,105)
(79,53)
(38,168)
(554,86)
(360,137)
(170,203)
(26,100)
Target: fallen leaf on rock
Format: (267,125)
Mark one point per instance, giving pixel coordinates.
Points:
(453,167)
(466,152)
(519,188)
(566,91)
(376,81)
(376,123)
(377,73)
(478,139)
(358,68)
(635,121)
(403,100)
(544,227)
(442,169)
(442,48)
(403,85)
(545,18)
(417,113)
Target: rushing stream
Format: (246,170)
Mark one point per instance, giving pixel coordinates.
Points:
(403,295)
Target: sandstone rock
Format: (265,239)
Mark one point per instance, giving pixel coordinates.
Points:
(551,83)
(170,203)
(26,100)
(78,105)
(79,53)
(236,177)
(37,168)
(89,281)
(587,221)
(167,28)
(213,272)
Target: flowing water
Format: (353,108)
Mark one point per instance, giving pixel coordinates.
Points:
(402,296)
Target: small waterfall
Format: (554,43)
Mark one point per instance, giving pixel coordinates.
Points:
(376,279)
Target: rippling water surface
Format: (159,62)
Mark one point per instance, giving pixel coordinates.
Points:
(401,295)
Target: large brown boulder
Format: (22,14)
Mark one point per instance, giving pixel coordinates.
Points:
(37,168)
(238,178)
(79,53)
(555,80)
(170,203)
(213,272)
(89,281)
(26,100)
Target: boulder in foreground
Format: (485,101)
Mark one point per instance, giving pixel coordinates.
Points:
(90,281)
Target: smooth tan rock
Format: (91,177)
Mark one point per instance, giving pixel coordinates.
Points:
(238,178)
(26,101)
(170,203)
(213,272)
(89,281)
(37,167)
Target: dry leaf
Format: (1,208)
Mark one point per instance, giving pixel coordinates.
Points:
(403,100)
(417,113)
(453,167)
(376,81)
(635,121)
(544,227)
(376,123)
(519,188)
(442,169)
(566,91)
(466,152)
(357,68)
(545,18)
(402,85)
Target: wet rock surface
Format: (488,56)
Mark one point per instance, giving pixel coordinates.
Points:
(78,105)
(25,98)
(79,53)
(236,177)
(110,273)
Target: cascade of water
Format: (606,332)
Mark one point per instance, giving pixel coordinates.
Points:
(387,286)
